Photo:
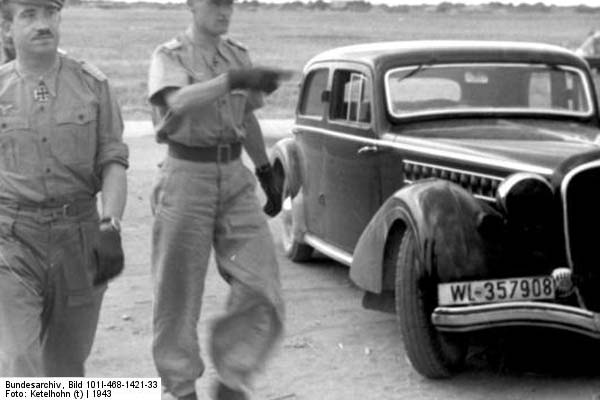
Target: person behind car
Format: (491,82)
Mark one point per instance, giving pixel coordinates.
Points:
(204,92)
(590,46)
(60,144)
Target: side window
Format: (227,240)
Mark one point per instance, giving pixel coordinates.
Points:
(351,97)
(312,97)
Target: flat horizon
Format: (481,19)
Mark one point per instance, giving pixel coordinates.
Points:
(559,3)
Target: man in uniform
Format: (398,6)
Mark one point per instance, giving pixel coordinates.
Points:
(204,91)
(60,144)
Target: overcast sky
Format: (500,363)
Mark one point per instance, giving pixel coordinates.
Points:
(594,3)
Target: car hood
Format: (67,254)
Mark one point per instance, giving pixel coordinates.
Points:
(543,145)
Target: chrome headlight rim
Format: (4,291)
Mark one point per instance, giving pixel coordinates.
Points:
(505,188)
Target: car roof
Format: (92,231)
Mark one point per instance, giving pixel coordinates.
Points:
(450,51)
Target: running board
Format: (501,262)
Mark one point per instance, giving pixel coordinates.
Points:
(328,249)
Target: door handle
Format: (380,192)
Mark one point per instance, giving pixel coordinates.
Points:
(368,150)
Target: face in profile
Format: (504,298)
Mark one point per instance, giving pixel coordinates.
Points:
(212,16)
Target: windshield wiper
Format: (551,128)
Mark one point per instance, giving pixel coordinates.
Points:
(411,73)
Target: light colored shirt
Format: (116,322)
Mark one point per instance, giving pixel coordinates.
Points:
(53,147)
(178,63)
(590,46)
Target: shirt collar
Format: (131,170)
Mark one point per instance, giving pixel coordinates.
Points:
(189,37)
(49,78)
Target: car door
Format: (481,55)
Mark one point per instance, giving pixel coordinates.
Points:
(350,190)
(310,122)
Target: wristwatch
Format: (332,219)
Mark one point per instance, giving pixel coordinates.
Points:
(112,223)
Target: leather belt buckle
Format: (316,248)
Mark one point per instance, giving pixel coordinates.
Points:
(223,153)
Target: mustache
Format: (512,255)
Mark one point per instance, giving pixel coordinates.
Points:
(43,34)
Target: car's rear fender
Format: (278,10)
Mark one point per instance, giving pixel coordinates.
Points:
(285,158)
(458,235)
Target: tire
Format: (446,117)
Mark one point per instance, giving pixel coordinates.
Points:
(293,249)
(433,354)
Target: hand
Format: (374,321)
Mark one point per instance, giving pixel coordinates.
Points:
(257,78)
(272,186)
(109,254)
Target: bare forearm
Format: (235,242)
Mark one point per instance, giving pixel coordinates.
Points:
(114,190)
(197,95)
(254,142)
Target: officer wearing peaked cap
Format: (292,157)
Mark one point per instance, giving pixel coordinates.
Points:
(204,91)
(60,144)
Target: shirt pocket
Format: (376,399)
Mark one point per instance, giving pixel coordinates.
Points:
(237,101)
(74,139)
(15,144)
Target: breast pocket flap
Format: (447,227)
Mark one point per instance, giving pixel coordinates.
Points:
(76,115)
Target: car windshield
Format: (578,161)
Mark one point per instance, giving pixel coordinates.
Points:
(484,88)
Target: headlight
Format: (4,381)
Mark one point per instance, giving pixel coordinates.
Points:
(525,197)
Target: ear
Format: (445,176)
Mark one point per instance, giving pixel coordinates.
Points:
(6,26)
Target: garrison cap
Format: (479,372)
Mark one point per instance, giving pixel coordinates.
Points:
(42,3)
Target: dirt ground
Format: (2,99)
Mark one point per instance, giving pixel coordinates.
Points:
(333,348)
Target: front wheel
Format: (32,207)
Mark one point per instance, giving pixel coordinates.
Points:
(292,247)
(433,354)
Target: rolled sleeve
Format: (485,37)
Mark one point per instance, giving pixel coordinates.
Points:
(165,72)
(111,148)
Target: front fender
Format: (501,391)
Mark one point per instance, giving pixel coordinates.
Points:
(447,221)
(285,155)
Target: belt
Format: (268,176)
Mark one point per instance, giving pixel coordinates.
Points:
(222,153)
(52,211)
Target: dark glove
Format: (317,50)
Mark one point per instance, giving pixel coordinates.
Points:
(109,254)
(257,78)
(272,186)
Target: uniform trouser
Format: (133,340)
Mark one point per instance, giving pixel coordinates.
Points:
(198,206)
(48,306)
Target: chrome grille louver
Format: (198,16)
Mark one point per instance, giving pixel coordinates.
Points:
(480,185)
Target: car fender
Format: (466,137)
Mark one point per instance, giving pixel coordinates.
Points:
(285,158)
(448,223)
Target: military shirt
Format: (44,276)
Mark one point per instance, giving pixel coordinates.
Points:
(179,63)
(57,132)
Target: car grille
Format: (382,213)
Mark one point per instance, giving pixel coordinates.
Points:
(580,192)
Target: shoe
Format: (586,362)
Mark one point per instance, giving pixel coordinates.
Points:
(224,392)
(191,396)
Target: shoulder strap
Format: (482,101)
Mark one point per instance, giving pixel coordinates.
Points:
(92,70)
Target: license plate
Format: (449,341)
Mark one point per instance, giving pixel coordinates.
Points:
(496,290)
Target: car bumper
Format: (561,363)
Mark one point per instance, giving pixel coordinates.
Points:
(478,317)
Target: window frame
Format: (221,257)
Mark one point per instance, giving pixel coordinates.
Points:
(304,92)
(489,110)
(369,88)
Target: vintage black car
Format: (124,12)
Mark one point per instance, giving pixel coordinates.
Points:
(458,179)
